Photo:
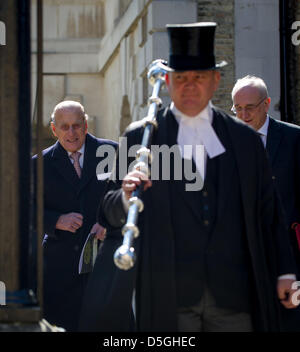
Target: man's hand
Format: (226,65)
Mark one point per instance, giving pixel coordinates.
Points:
(69,222)
(99,230)
(132,180)
(285,292)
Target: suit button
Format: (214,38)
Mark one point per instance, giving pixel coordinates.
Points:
(273,177)
(205,194)
(206,222)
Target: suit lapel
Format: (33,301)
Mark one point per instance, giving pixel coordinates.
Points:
(160,188)
(63,165)
(226,165)
(90,161)
(273,139)
(246,162)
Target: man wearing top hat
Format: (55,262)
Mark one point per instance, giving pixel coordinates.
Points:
(214,259)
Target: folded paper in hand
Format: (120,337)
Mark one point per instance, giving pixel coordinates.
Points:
(88,254)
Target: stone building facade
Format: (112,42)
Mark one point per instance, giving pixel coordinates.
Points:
(222,12)
(98,51)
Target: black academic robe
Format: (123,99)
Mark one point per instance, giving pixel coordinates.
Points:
(107,302)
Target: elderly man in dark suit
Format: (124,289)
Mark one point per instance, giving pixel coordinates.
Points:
(251,103)
(71,196)
(209,258)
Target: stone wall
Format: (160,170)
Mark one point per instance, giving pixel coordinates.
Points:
(221,12)
(127,49)
(104,64)
(72,34)
(257,45)
(9,137)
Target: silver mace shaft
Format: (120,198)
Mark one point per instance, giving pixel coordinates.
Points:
(125,256)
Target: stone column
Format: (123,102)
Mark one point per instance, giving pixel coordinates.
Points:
(15,169)
(222,12)
(9,134)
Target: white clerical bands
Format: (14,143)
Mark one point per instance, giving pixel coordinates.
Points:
(197,132)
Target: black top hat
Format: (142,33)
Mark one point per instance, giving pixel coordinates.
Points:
(192,47)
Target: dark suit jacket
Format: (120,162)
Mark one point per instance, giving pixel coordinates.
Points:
(154,273)
(283,147)
(64,193)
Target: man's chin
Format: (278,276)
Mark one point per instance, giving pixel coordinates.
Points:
(251,125)
(71,147)
(192,111)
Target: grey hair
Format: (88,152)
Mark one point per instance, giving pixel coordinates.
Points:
(250,81)
(69,105)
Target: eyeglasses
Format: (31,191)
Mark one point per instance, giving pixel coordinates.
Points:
(247,108)
(75,126)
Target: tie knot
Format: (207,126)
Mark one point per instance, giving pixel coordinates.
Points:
(75,156)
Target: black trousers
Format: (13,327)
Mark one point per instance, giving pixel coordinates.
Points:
(206,316)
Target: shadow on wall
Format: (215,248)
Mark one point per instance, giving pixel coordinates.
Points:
(125,114)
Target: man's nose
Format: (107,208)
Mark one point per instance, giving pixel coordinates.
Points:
(71,130)
(244,113)
(190,83)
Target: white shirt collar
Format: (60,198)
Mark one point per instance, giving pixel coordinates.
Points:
(197,133)
(264,128)
(81,158)
(206,113)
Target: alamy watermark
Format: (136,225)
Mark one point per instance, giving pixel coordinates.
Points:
(167,162)
(296,35)
(2,33)
(2,294)
(296,294)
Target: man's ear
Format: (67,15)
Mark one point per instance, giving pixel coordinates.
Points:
(167,79)
(217,78)
(267,104)
(217,75)
(53,129)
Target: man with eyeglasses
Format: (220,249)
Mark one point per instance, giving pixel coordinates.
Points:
(71,196)
(251,103)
